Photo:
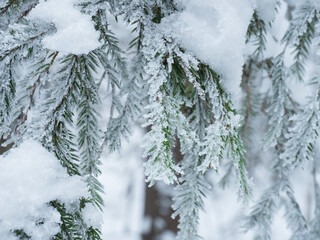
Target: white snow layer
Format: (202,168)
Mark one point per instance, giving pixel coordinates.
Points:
(92,216)
(75,31)
(215,32)
(266,10)
(31,177)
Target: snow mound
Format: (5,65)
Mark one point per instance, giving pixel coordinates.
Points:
(266,10)
(31,177)
(75,31)
(215,32)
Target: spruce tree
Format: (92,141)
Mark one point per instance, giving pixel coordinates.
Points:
(54,98)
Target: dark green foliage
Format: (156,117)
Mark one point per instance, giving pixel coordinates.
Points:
(21,234)
(72,225)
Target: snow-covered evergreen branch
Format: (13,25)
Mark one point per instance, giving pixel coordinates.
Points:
(303,134)
(300,35)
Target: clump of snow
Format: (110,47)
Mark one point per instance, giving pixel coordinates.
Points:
(215,32)
(75,31)
(31,177)
(92,216)
(266,10)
